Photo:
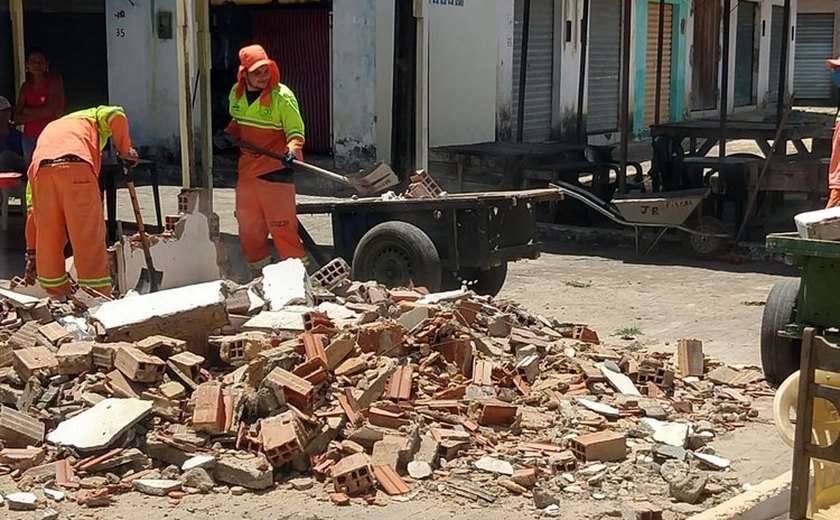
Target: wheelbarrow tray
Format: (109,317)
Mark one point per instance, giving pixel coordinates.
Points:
(665,209)
(793,244)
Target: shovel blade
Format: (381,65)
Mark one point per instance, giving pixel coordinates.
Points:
(375,179)
(149,281)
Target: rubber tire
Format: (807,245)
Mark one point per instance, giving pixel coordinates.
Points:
(486,282)
(702,247)
(779,356)
(400,239)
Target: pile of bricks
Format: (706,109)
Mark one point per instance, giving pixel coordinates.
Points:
(373,389)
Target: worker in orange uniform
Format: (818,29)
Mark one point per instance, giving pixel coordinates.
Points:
(834,165)
(265,113)
(64,180)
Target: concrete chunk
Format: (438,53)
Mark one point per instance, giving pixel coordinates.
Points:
(101,425)
(286,283)
(75,358)
(156,487)
(246,470)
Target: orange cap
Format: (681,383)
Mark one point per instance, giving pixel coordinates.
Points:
(833,64)
(251,58)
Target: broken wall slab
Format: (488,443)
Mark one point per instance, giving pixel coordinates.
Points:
(766,501)
(286,283)
(178,313)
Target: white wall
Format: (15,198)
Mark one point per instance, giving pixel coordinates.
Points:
(764,52)
(142,71)
(465,68)
(354,56)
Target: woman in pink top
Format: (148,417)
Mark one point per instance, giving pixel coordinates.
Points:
(40,101)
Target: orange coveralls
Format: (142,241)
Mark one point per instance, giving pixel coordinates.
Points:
(834,169)
(272,122)
(64,174)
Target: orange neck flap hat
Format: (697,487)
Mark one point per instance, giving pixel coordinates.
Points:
(251,58)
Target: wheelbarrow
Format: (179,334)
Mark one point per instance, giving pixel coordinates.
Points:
(705,237)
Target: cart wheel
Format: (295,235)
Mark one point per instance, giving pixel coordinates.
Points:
(486,282)
(706,247)
(779,356)
(396,254)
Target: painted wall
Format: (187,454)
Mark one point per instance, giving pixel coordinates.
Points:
(679,60)
(142,71)
(354,82)
(465,69)
(384,77)
(764,52)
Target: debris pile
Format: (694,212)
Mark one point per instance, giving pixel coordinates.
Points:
(352,388)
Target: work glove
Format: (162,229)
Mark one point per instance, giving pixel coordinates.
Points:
(223,140)
(289,159)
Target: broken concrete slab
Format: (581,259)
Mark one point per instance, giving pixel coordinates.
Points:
(22,501)
(768,500)
(286,283)
(156,487)
(246,470)
(101,425)
(713,461)
(600,408)
(198,478)
(199,461)
(623,384)
(494,465)
(276,321)
(178,313)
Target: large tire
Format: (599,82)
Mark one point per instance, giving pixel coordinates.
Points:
(706,247)
(396,254)
(487,282)
(779,356)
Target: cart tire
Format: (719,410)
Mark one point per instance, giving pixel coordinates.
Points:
(704,247)
(487,282)
(396,254)
(779,356)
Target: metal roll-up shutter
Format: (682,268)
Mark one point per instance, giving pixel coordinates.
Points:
(540,69)
(651,59)
(777,34)
(814,44)
(604,74)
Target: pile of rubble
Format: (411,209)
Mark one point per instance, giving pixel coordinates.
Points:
(352,388)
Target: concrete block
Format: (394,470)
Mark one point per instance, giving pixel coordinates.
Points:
(246,470)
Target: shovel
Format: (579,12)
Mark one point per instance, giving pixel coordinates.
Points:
(150,279)
(375,179)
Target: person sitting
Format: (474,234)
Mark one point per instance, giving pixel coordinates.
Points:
(11,146)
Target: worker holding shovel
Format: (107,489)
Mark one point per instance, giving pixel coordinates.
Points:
(834,165)
(265,113)
(65,195)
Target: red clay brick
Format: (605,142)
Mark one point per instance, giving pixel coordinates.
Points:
(297,391)
(209,413)
(482,372)
(28,361)
(605,446)
(498,413)
(138,366)
(390,481)
(351,475)
(399,386)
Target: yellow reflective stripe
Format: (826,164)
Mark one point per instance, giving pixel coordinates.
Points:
(259,264)
(53,282)
(96,282)
(268,125)
(293,133)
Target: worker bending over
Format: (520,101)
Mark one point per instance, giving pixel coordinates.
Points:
(64,180)
(265,113)
(834,165)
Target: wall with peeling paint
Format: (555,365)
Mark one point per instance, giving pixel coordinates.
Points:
(354,82)
(142,72)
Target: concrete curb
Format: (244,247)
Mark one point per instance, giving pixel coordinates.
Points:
(766,501)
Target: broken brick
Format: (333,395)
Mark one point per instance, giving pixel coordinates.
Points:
(297,391)
(6,354)
(30,361)
(351,475)
(55,333)
(604,446)
(381,337)
(18,430)
(498,413)
(340,499)
(690,357)
(399,386)
(525,477)
(209,412)
(103,355)
(282,438)
(138,366)
(585,334)
(390,482)
(337,351)
(313,346)
(458,351)
(641,511)
(482,372)
(75,358)
(386,418)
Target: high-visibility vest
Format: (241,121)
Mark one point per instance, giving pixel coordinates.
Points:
(102,116)
(282,113)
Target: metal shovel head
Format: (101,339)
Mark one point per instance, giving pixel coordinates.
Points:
(149,281)
(375,179)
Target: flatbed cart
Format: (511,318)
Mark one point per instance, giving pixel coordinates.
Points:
(437,243)
(705,237)
(812,300)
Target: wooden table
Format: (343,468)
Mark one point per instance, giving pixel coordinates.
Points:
(515,157)
(760,132)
